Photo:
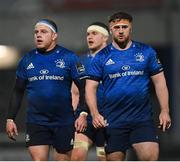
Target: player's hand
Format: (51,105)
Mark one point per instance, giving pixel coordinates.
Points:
(98,121)
(164,121)
(81,123)
(11,129)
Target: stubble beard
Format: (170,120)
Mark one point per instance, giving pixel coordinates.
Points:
(122,44)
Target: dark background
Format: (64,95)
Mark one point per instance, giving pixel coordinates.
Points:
(156,22)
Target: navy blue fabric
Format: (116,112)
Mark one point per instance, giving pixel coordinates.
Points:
(125,76)
(49,78)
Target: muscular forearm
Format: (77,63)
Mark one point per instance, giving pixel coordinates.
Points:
(82,102)
(90,95)
(163,97)
(91,99)
(75,96)
(161,91)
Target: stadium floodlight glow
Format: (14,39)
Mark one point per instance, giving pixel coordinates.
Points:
(8,57)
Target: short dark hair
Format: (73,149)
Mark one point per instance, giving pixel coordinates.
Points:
(101,25)
(120,16)
(51,22)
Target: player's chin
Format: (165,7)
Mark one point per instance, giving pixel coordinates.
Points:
(90,46)
(40,46)
(121,39)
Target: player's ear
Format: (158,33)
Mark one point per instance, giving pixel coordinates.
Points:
(131,28)
(105,38)
(55,35)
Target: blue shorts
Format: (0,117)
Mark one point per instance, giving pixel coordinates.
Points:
(61,138)
(96,135)
(121,139)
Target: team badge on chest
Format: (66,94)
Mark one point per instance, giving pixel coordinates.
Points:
(60,63)
(139,57)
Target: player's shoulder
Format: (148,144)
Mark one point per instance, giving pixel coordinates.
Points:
(141,46)
(28,55)
(106,50)
(103,53)
(63,50)
(84,55)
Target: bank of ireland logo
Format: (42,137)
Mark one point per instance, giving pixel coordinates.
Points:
(126,67)
(60,63)
(139,57)
(44,71)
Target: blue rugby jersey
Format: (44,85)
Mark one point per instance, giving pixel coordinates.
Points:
(49,77)
(86,61)
(126,80)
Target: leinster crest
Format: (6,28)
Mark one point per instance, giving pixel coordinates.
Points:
(60,63)
(139,57)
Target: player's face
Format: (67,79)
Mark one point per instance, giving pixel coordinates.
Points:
(121,31)
(95,40)
(44,37)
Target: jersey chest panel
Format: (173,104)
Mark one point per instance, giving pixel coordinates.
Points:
(118,65)
(44,69)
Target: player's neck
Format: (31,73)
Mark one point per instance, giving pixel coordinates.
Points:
(93,52)
(125,46)
(47,52)
(51,47)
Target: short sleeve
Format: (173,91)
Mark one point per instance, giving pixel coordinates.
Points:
(77,68)
(94,72)
(155,65)
(21,69)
